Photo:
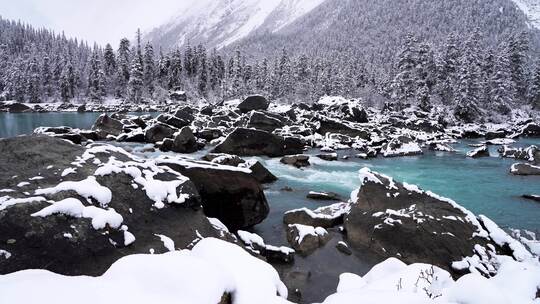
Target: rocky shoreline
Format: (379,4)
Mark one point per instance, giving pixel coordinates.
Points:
(79,202)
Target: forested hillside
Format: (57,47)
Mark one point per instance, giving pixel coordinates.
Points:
(390,55)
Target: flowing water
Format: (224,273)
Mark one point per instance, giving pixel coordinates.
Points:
(482,185)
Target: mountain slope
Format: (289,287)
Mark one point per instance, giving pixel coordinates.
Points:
(219,23)
(375,28)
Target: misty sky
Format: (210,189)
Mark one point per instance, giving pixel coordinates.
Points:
(101,21)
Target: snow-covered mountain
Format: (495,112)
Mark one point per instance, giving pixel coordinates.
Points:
(531,8)
(219,23)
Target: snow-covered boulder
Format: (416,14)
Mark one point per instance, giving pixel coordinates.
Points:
(524,169)
(250,142)
(305,239)
(75,210)
(481,151)
(326,216)
(401,146)
(328,125)
(400,220)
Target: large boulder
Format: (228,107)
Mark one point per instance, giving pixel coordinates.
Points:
(229,194)
(265,122)
(254,102)
(531,129)
(401,220)
(16,107)
(401,146)
(481,151)
(333,126)
(173,121)
(75,210)
(106,125)
(158,132)
(184,142)
(261,174)
(249,142)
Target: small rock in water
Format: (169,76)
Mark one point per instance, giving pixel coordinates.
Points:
(286,189)
(524,169)
(479,152)
(533,197)
(344,248)
(324,196)
(328,156)
(298,161)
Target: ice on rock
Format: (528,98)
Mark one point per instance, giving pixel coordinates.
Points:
(6,201)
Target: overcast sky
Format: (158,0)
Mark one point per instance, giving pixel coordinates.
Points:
(99,21)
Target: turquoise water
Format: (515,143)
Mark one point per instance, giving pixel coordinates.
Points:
(14,124)
(482,185)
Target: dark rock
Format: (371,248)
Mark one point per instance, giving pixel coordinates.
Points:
(299,161)
(393,220)
(81,108)
(532,197)
(401,146)
(278,255)
(16,107)
(159,132)
(262,121)
(234,197)
(344,248)
(72,246)
(326,217)
(172,121)
(482,151)
(249,142)
(305,239)
(223,159)
(209,134)
(185,141)
(495,134)
(334,126)
(355,114)
(208,110)
(254,102)
(532,130)
(328,156)
(261,174)
(105,126)
(324,196)
(525,169)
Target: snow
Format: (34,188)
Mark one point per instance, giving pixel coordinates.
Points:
(217,224)
(167,241)
(501,238)
(68,171)
(101,218)
(304,231)
(251,239)
(4,253)
(392,281)
(531,9)
(402,149)
(6,201)
(202,275)
(87,188)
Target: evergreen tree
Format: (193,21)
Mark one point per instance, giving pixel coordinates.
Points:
(96,77)
(33,86)
(175,71)
(109,61)
(534,89)
(404,82)
(518,48)
(149,69)
(47,77)
(123,67)
(502,86)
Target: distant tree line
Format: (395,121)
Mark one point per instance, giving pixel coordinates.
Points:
(37,65)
